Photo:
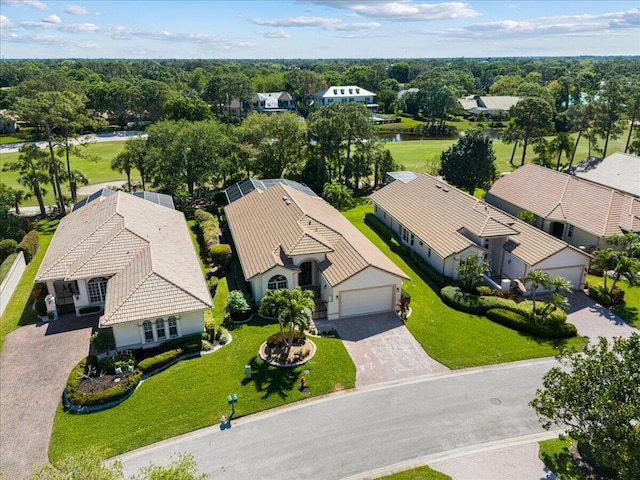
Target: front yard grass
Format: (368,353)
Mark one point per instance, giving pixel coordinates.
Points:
(453,338)
(419,473)
(629,309)
(555,455)
(192,394)
(18,311)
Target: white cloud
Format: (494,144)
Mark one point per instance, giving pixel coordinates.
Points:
(324,23)
(52,19)
(64,27)
(76,10)
(5,22)
(37,4)
(404,10)
(274,33)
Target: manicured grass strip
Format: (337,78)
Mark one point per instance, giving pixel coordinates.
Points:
(420,473)
(96,172)
(192,394)
(457,339)
(18,311)
(555,455)
(629,309)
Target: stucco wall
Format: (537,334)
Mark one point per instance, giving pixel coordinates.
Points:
(131,334)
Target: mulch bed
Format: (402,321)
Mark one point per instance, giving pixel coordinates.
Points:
(100,384)
(298,355)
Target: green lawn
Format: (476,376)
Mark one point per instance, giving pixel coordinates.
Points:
(420,473)
(555,455)
(97,172)
(18,311)
(454,338)
(192,394)
(628,310)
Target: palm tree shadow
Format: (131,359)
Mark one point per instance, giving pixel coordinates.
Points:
(272,380)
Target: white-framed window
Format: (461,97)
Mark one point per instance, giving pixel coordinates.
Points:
(148,331)
(412,239)
(277,282)
(173,326)
(160,328)
(97,288)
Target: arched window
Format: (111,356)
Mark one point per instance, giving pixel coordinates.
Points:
(173,326)
(277,282)
(97,288)
(160,328)
(148,331)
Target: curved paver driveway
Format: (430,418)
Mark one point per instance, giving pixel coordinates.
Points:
(593,320)
(34,365)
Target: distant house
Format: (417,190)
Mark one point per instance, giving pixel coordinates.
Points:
(445,225)
(620,171)
(132,259)
(268,103)
(345,93)
(8,123)
(488,105)
(578,211)
(287,238)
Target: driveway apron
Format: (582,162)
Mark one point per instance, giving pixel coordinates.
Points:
(34,366)
(593,320)
(382,349)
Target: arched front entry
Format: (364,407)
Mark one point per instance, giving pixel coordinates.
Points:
(306,277)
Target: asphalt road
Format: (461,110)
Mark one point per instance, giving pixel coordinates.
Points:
(349,434)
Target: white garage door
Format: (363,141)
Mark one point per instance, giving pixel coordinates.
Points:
(370,300)
(573,274)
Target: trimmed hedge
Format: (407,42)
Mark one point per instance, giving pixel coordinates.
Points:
(208,224)
(552,325)
(150,364)
(221,255)
(5,266)
(521,323)
(29,245)
(8,246)
(606,299)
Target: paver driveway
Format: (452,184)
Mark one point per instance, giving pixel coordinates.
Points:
(34,365)
(382,349)
(593,320)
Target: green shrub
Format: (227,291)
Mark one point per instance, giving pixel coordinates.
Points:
(41,307)
(212,283)
(179,342)
(211,238)
(202,215)
(118,361)
(39,291)
(153,363)
(29,245)
(8,247)
(521,323)
(237,305)
(379,227)
(405,296)
(192,346)
(221,255)
(616,295)
(477,305)
(5,266)
(419,264)
(103,340)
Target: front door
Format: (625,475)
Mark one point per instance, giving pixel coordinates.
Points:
(305,277)
(557,229)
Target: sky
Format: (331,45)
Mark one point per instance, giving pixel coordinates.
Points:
(245,29)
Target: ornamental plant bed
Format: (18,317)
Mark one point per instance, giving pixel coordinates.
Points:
(100,383)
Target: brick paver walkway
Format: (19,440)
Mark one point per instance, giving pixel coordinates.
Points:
(382,349)
(34,364)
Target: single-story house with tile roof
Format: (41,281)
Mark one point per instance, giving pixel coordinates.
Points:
(133,259)
(620,171)
(488,104)
(445,225)
(286,238)
(578,211)
(344,93)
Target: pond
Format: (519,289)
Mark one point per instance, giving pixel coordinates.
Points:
(492,133)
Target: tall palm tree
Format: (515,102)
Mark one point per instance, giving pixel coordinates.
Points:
(122,162)
(537,278)
(605,260)
(625,267)
(32,164)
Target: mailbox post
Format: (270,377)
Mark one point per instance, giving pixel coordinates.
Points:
(232,400)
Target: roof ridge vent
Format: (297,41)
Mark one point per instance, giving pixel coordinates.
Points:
(445,189)
(438,185)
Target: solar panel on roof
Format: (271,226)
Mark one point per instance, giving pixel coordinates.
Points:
(248,185)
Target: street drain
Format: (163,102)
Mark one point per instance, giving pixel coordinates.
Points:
(495,401)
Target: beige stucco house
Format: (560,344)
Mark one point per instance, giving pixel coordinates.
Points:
(445,225)
(576,210)
(134,260)
(286,237)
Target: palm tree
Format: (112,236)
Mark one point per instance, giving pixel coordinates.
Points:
(562,144)
(32,165)
(538,278)
(122,162)
(625,267)
(605,260)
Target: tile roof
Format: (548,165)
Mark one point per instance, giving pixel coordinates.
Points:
(269,225)
(342,91)
(440,215)
(620,171)
(139,245)
(554,195)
